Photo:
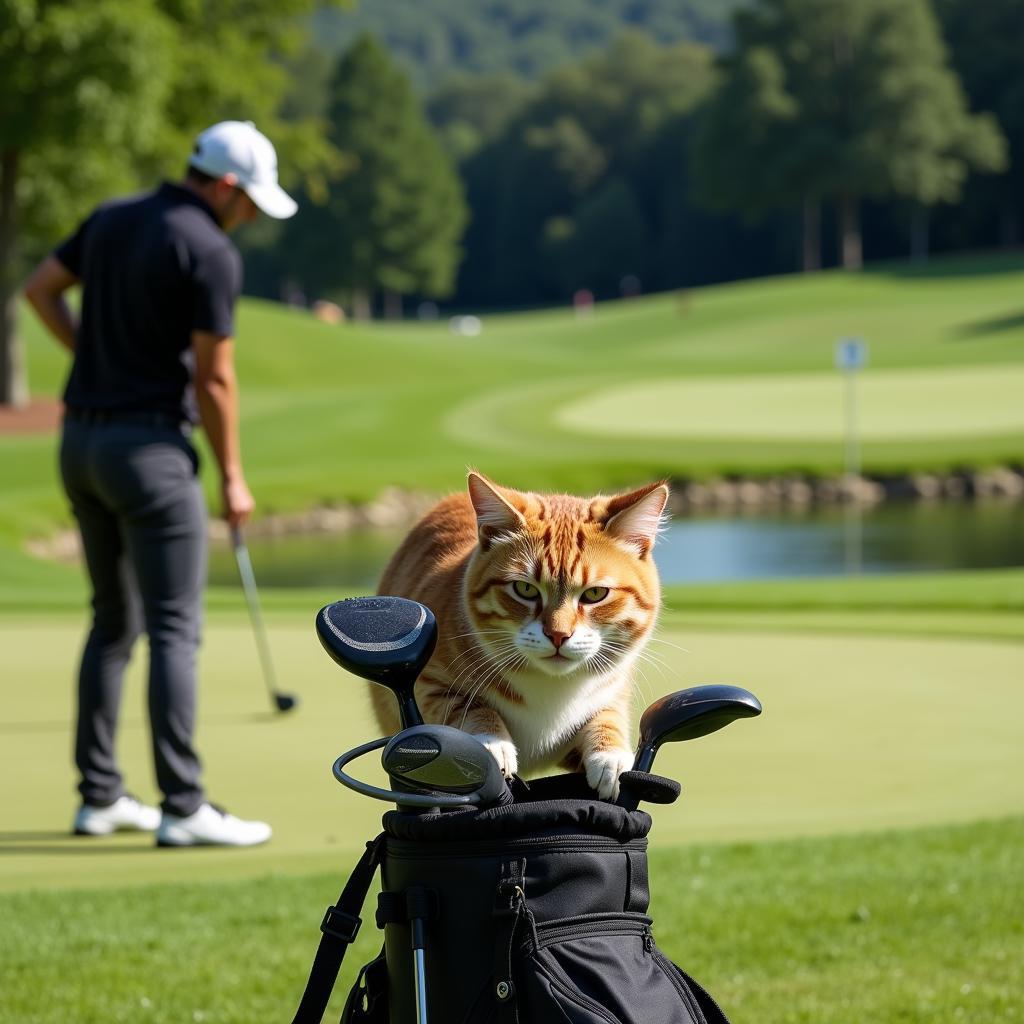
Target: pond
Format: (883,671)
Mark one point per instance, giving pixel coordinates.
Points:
(913,537)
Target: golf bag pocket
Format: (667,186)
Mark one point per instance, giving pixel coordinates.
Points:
(600,969)
(524,913)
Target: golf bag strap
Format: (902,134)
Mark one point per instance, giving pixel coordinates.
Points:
(339,927)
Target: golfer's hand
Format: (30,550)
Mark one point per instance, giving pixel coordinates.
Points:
(237,500)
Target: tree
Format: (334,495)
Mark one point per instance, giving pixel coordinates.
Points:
(79,90)
(589,124)
(392,223)
(986,41)
(527,38)
(97,97)
(604,242)
(827,100)
(471,110)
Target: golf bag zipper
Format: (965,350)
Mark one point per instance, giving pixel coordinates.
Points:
(563,983)
(566,844)
(672,973)
(509,907)
(586,926)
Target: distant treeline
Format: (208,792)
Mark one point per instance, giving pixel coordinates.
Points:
(523,38)
(823,133)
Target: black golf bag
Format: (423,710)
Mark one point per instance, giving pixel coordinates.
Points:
(527,913)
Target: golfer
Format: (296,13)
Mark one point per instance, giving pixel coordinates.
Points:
(153,356)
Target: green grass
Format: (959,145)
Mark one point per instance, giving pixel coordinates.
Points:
(924,925)
(908,716)
(334,413)
(851,855)
(981,590)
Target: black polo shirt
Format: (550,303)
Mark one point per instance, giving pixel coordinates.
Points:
(153,269)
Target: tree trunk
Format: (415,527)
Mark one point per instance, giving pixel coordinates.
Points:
(810,255)
(361,304)
(392,305)
(13,380)
(919,234)
(850,252)
(1008,233)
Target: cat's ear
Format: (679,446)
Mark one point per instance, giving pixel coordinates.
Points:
(635,518)
(495,516)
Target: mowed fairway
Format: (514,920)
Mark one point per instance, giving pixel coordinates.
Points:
(730,378)
(851,855)
(777,879)
(860,732)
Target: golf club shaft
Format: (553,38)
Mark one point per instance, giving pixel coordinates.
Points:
(253,601)
(642,762)
(421,987)
(644,759)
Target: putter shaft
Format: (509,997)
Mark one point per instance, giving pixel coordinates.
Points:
(256,616)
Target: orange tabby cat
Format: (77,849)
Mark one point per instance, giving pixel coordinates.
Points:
(543,603)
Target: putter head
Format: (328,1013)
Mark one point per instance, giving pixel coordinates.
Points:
(285,701)
(438,758)
(688,714)
(388,640)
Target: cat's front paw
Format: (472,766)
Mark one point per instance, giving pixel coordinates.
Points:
(503,751)
(603,768)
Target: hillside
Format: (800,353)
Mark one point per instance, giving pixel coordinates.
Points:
(728,379)
(522,37)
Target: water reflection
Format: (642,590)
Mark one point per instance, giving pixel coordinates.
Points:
(896,538)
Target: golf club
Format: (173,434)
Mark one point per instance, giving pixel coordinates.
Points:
(388,640)
(282,701)
(449,768)
(440,759)
(431,766)
(686,715)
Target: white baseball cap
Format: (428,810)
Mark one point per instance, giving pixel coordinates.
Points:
(236,147)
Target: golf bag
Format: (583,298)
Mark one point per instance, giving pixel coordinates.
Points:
(526,913)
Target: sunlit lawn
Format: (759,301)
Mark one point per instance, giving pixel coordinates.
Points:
(852,855)
(541,400)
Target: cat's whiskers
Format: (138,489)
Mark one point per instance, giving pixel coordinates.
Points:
(667,643)
(467,672)
(497,667)
(509,570)
(479,655)
(604,661)
(476,632)
(476,651)
(639,653)
(641,701)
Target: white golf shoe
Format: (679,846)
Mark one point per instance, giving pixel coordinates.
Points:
(125,814)
(211,826)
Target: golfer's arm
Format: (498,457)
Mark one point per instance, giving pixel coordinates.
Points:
(217,394)
(44,291)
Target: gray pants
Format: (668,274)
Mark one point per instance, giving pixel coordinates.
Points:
(134,490)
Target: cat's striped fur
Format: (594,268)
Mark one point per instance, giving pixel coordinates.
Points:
(543,604)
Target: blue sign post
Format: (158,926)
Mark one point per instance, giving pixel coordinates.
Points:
(851,357)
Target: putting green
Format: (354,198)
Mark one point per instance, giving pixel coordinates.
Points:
(892,405)
(860,732)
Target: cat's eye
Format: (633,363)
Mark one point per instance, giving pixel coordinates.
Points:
(593,594)
(527,591)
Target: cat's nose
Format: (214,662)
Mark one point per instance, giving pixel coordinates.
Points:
(556,637)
